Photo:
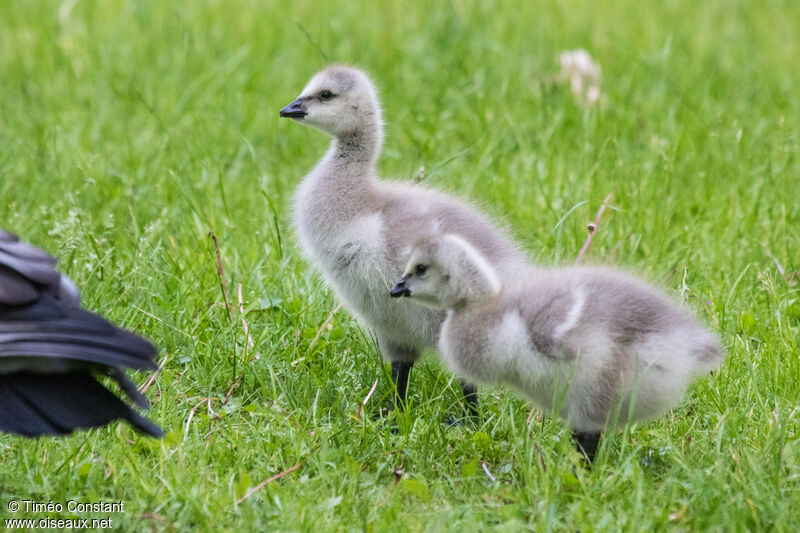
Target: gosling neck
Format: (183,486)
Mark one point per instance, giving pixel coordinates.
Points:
(356,150)
(478,296)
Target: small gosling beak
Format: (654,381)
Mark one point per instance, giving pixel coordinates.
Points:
(294,110)
(400,289)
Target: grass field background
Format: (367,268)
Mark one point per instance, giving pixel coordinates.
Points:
(130,130)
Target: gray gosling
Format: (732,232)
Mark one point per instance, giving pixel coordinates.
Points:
(358,230)
(578,341)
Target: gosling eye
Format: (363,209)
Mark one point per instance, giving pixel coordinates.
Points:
(420,270)
(326,95)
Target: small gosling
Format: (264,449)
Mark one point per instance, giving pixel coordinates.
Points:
(577,341)
(358,229)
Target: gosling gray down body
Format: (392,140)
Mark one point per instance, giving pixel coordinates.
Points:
(358,230)
(51,351)
(578,341)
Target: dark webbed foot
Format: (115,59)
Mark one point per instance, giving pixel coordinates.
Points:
(587,444)
(471,407)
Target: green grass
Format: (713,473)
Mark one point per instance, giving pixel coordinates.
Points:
(130,130)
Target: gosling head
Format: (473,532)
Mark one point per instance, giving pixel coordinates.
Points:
(446,272)
(339,100)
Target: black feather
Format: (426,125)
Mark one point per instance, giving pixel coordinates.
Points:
(15,289)
(56,404)
(50,348)
(30,262)
(46,330)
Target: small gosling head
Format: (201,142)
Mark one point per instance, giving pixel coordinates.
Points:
(425,277)
(339,100)
(446,272)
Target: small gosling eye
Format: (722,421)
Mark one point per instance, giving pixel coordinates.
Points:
(420,270)
(326,95)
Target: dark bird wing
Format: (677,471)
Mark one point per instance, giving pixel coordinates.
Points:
(51,350)
(56,404)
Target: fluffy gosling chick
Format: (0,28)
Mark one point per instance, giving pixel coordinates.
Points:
(577,341)
(358,230)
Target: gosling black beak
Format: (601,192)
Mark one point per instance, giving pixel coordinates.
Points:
(295,109)
(400,289)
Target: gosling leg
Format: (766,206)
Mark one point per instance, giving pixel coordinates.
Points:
(587,444)
(400,373)
(471,407)
(471,396)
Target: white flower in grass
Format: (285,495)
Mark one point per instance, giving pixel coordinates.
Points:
(582,73)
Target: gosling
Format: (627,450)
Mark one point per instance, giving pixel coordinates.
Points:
(579,341)
(51,352)
(358,230)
